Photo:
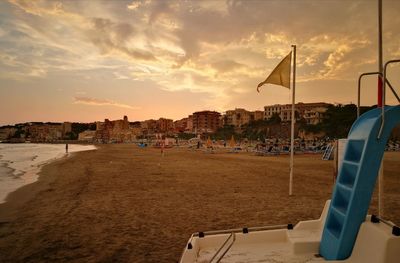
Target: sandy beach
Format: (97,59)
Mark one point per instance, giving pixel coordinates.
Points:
(126,204)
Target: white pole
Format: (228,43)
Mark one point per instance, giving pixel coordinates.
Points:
(380,62)
(292,123)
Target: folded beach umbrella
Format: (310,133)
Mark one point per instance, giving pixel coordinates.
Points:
(232,143)
(209,142)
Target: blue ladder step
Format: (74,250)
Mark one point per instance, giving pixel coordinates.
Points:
(335,223)
(340,211)
(354,150)
(351,162)
(342,196)
(348,173)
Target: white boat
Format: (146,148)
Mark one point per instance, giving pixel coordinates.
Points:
(375,243)
(343,233)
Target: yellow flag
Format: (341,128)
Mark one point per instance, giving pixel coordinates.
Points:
(280,75)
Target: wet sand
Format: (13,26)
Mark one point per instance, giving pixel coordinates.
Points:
(125,204)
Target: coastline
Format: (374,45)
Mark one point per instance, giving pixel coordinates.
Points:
(21,180)
(125,204)
(17,198)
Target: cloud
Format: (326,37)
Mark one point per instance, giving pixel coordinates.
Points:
(119,75)
(134,5)
(111,37)
(226,65)
(208,47)
(101,102)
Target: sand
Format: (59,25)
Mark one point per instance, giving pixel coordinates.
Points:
(125,204)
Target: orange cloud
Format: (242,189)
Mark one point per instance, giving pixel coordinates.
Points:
(102,102)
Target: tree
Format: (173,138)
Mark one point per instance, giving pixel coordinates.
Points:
(77,128)
(186,136)
(225,133)
(275,118)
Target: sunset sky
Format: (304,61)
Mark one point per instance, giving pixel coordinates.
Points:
(89,60)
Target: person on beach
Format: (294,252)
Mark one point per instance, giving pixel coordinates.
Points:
(162,145)
(66,148)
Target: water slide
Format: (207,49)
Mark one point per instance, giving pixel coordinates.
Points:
(356,181)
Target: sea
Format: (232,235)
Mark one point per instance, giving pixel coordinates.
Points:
(21,163)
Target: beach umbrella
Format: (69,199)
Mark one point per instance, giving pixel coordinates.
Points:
(232,143)
(209,142)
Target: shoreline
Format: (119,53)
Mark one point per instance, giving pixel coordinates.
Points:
(17,198)
(31,178)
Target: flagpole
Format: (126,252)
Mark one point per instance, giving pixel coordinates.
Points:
(380,94)
(292,123)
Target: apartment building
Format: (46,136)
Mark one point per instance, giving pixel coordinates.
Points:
(206,121)
(165,125)
(239,117)
(115,131)
(48,132)
(312,112)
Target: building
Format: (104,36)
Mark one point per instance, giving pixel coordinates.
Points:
(302,107)
(237,117)
(6,133)
(315,115)
(165,125)
(189,125)
(149,127)
(302,110)
(206,121)
(257,115)
(181,125)
(87,136)
(115,131)
(48,132)
(279,109)
(66,128)
(240,117)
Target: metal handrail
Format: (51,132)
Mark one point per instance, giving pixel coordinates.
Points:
(386,222)
(234,230)
(359,88)
(384,94)
(233,235)
(238,230)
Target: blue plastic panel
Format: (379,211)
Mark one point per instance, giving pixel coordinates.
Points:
(357,176)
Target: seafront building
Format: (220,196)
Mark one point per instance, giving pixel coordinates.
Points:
(87,136)
(181,125)
(239,117)
(165,125)
(45,132)
(189,125)
(148,127)
(151,127)
(206,121)
(6,133)
(115,131)
(200,122)
(313,113)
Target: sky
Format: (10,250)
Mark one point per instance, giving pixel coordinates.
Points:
(90,60)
